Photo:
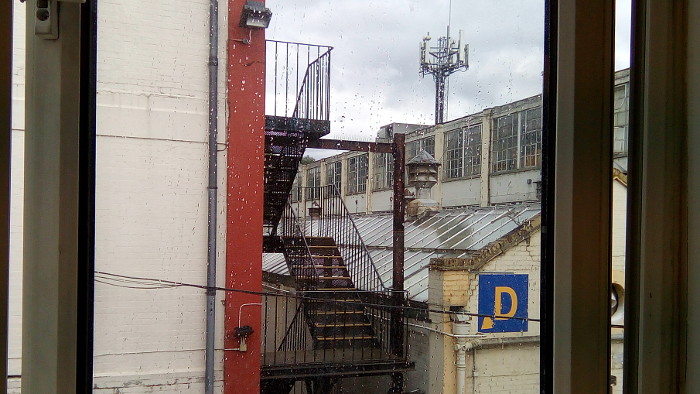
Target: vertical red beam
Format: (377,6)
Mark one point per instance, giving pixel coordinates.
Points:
(244,202)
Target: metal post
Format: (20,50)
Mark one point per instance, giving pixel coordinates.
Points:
(397,326)
(439,98)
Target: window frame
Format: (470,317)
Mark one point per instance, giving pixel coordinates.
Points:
(467,154)
(383,168)
(313,183)
(357,174)
(658,65)
(334,175)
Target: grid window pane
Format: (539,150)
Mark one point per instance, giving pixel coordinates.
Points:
(383,171)
(531,138)
(472,150)
(620,118)
(334,174)
(357,174)
(313,182)
(454,154)
(505,143)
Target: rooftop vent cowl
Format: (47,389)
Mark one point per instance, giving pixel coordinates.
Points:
(423,175)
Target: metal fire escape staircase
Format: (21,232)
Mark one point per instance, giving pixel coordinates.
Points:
(336,323)
(290,128)
(333,305)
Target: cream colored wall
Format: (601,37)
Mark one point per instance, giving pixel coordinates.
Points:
(151,196)
(619,225)
(521,259)
(513,369)
(508,367)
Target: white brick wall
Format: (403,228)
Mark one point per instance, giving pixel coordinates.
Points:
(151,198)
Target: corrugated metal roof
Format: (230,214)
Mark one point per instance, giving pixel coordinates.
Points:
(448,233)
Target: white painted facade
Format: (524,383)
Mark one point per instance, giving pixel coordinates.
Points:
(151,194)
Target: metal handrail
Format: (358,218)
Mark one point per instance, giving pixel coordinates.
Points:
(308,266)
(362,242)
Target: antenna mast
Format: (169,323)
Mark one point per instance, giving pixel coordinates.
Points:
(441,61)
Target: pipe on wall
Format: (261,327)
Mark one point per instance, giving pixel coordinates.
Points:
(211,195)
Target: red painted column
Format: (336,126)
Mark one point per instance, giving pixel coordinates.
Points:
(244,202)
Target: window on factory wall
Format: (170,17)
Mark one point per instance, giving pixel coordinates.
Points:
(357,174)
(313,183)
(334,174)
(427,144)
(620,119)
(505,143)
(383,171)
(531,137)
(296,194)
(517,141)
(472,150)
(463,152)
(454,154)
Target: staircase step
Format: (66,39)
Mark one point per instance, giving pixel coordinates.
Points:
(335,325)
(352,312)
(345,338)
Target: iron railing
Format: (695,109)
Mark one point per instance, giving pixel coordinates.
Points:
(298,80)
(339,313)
(291,317)
(328,216)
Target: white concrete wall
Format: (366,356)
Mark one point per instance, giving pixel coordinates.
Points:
(619,225)
(151,197)
(510,369)
(513,186)
(461,192)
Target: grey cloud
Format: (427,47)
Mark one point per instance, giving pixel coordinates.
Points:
(375,76)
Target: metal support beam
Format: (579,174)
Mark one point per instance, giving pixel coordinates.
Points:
(355,146)
(397,326)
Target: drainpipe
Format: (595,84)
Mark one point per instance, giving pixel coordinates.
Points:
(461,334)
(211,195)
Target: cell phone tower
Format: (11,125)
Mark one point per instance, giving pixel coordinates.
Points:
(441,61)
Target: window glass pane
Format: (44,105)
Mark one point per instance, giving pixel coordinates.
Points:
(620,108)
(328,294)
(505,143)
(472,150)
(383,171)
(531,138)
(483,186)
(454,154)
(313,183)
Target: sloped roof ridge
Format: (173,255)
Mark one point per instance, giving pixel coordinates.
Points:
(492,250)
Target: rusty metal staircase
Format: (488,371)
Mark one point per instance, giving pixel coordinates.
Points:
(334,310)
(337,322)
(299,114)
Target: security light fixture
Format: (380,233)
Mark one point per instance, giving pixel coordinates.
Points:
(255,15)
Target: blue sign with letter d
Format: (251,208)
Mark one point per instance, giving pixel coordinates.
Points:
(502,302)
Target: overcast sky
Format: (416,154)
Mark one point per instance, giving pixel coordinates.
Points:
(374,76)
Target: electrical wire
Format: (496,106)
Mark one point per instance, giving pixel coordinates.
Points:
(144,283)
